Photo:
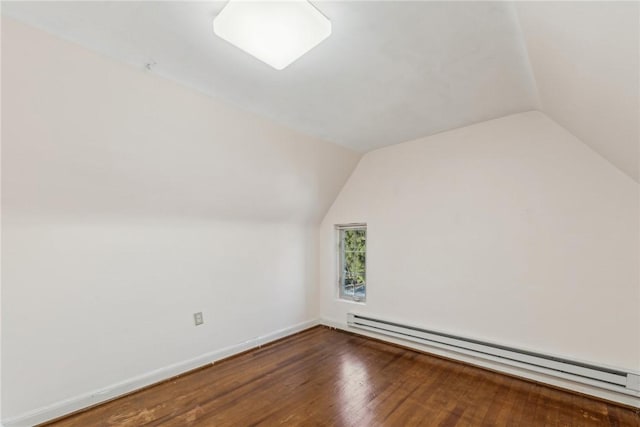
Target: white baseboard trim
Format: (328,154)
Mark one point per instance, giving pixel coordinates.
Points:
(76,403)
(67,406)
(495,366)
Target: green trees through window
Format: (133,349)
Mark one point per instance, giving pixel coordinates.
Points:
(353,262)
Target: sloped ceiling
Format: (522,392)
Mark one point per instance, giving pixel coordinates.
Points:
(584,56)
(390,72)
(86,137)
(393,71)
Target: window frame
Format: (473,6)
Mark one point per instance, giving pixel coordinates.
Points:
(340,253)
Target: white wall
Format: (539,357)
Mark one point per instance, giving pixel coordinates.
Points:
(585,59)
(511,230)
(129,203)
(1,315)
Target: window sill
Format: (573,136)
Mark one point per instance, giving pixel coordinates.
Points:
(350,301)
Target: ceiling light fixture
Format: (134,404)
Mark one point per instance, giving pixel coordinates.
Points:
(275,32)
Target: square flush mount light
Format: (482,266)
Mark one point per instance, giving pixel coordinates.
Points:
(275,32)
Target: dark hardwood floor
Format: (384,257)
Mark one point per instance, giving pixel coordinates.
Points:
(323,377)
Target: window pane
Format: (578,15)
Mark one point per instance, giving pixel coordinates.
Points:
(352,259)
(355,240)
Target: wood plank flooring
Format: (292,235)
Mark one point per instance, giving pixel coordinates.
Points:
(324,377)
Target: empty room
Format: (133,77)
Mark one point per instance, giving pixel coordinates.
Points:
(320,213)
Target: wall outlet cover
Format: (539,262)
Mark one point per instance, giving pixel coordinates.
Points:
(197,318)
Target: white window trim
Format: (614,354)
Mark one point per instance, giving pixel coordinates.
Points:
(340,296)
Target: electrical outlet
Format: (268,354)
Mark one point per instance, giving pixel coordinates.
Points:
(197,318)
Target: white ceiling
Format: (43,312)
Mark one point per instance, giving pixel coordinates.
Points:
(391,71)
(585,60)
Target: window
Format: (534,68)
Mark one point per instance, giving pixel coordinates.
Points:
(352,261)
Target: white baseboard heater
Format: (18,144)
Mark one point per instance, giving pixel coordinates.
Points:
(600,376)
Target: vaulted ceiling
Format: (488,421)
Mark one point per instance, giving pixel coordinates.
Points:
(393,71)
(584,56)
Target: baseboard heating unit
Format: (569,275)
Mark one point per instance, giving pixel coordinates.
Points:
(600,376)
